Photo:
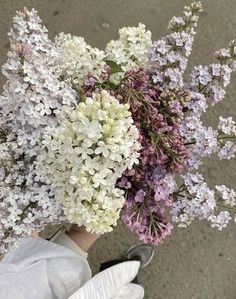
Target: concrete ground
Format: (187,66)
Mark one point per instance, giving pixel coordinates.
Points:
(196,262)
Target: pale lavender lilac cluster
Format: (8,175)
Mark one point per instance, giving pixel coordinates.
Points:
(194,199)
(168,55)
(31,99)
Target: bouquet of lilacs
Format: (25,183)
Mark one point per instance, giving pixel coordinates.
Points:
(88,135)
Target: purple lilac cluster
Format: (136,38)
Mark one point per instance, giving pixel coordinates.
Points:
(157,117)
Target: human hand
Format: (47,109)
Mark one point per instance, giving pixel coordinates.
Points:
(81,237)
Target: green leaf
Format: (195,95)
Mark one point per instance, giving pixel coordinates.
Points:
(112,85)
(115,68)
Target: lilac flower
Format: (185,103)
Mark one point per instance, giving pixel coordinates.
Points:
(149,222)
(168,56)
(139,196)
(211,80)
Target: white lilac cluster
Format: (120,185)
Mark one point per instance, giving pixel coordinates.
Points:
(131,49)
(168,55)
(76,59)
(197,200)
(85,156)
(31,100)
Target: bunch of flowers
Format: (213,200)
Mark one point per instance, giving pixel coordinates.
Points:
(87,135)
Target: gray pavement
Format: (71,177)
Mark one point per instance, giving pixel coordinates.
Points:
(197,262)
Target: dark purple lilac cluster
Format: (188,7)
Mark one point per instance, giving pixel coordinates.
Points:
(157,116)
